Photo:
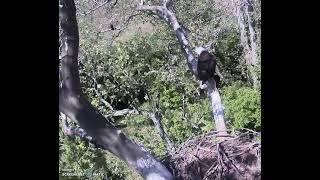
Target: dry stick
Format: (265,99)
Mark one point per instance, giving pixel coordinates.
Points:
(243,151)
(156,121)
(198,159)
(220,162)
(231,162)
(211,170)
(255,132)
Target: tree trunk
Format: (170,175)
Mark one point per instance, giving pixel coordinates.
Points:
(252,33)
(73,103)
(249,53)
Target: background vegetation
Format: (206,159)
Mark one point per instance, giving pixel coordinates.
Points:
(143,68)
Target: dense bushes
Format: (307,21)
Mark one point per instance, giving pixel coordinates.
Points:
(242,106)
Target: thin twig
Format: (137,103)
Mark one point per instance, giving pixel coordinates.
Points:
(124,26)
(228,159)
(95,8)
(98,93)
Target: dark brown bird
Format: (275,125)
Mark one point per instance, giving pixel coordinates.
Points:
(206,64)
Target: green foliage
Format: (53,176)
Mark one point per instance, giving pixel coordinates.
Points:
(76,156)
(149,72)
(181,124)
(242,106)
(200,114)
(230,60)
(79,157)
(141,130)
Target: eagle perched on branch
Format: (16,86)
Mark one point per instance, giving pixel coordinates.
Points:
(206,64)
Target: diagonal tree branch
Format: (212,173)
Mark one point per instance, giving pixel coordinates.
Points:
(172,21)
(73,103)
(213,94)
(155,117)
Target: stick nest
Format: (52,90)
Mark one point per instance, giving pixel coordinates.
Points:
(209,157)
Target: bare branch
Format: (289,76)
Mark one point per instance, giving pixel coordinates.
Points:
(124,26)
(97,7)
(156,10)
(123,112)
(252,131)
(156,119)
(158,124)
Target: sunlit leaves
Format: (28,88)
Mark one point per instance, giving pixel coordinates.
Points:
(243,106)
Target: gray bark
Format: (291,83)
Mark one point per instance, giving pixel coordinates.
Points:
(217,107)
(74,104)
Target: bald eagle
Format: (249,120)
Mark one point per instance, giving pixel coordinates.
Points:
(206,64)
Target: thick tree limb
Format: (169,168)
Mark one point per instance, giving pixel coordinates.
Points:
(213,93)
(73,103)
(172,21)
(217,107)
